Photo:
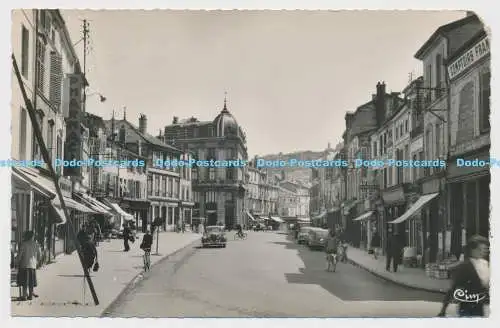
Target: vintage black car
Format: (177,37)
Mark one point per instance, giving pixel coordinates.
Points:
(214,236)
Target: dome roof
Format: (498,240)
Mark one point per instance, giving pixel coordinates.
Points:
(225,124)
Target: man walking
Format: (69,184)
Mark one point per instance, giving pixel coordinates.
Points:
(126,237)
(393,250)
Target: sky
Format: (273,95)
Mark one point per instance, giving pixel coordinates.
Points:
(290,76)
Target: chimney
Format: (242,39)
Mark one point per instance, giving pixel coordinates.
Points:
(121,134)
(143,124)
(348,120)
(139,148)
(175,120)
(380,103)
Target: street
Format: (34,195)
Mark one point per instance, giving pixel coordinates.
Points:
(266,275)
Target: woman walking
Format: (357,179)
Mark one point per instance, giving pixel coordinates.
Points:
(29,253)
(471,280)
(89,252)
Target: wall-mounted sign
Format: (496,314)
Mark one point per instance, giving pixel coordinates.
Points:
(471,56)
(73,150)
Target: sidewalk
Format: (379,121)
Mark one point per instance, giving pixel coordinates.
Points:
(60,284)
(409,277)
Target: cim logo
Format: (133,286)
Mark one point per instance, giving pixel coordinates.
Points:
(462,295)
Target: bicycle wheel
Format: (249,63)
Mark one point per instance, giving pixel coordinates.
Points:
(148,261)
(244,236)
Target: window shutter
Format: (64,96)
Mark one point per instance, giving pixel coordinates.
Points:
(56,77)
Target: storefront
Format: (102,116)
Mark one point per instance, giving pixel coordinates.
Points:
(138,208)
(351,228)
(394,204)
(334,218)
(367,222)
(469,201)
(319,220)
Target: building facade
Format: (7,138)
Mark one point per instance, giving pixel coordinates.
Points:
(469,73)
(49,68)
(434,102)
(219,189)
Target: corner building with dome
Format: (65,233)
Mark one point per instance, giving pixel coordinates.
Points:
(218,193)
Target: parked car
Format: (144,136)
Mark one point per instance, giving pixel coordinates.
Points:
(214,236)
(303,236)
(317,238)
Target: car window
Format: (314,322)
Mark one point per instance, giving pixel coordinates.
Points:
(213,229)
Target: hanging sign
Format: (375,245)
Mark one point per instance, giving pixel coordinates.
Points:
(73,149)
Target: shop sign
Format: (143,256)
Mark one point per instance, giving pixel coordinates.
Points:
(469,58)
(73,143)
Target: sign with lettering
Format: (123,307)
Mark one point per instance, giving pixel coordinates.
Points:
(73,149)
(471,56)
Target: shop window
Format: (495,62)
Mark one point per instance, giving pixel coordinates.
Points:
(465,130)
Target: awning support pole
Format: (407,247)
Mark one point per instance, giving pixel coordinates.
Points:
(46,158)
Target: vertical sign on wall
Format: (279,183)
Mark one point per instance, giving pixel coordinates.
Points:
(73,150)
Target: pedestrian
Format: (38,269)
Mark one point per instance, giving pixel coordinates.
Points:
(82,234)
(375,245)
(393,251)
(29,253)
(89,253)
(471,280)
(126,237)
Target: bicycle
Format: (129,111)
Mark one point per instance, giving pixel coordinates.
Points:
(147,259)
(241,236)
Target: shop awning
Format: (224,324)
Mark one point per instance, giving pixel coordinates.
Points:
(415,207)
(60,213)
(119,210)
(73,204)
(41,184)
(304,219)
(277,219)
(250,216)
(333,210)
(95,204)
(364,216)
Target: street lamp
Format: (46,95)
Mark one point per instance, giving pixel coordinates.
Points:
(101,97)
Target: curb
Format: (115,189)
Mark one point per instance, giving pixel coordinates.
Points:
(373,272)
(139,277)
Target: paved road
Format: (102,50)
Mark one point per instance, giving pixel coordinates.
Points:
(266,276)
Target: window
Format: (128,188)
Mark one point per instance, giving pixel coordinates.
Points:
(170,187)
(25,51)
(194,172)
(484,106)
(36,149)
(211,173)
(230,173)
(157,186)
(438,140)
(50,138)
(59,144)
(22,135)
(211,154)
(40,57)
(164,186)
(56,77)
(439,67)
(415,169)
(406,126)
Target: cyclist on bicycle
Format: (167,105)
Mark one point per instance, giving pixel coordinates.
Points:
(147,242)
(240,230)
(331,249)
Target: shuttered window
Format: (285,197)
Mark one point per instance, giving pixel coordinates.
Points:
(56,78)
(25,55)
(484,109)
(41,67)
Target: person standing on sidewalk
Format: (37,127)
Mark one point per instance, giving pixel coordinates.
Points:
(126,237)
(376,244)
(393,250)
(89,252)
(28,256)
(471,281)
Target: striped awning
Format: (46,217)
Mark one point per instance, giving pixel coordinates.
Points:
(277,219)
